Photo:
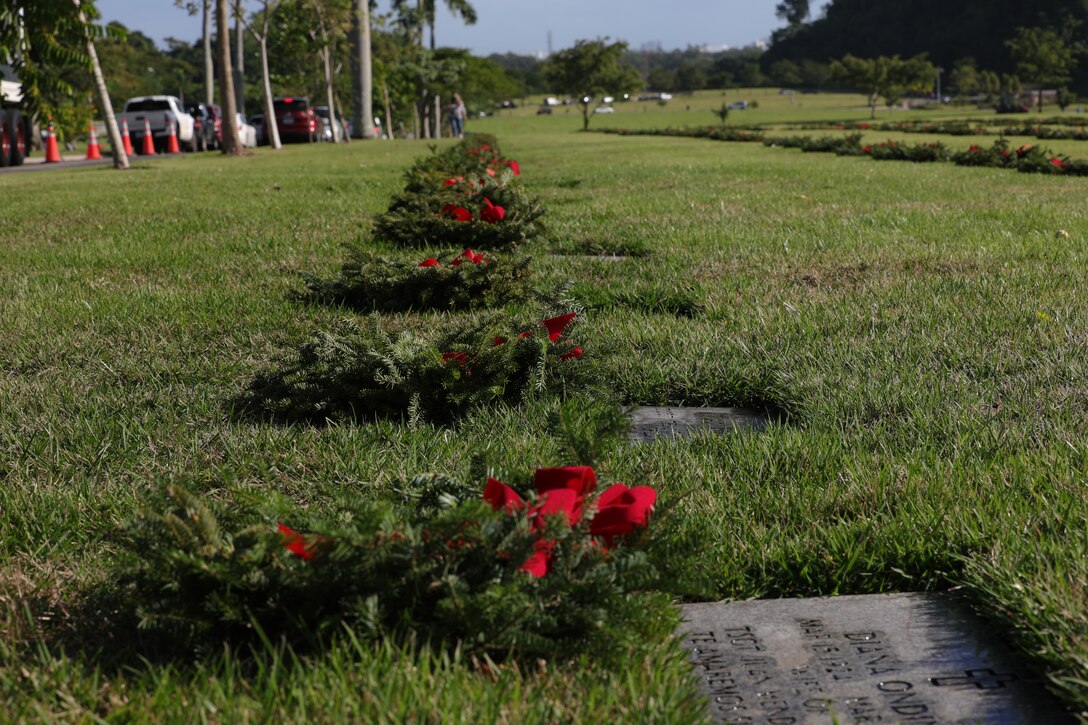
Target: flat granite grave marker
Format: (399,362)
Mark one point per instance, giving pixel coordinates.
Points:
(651,423)
(919,659)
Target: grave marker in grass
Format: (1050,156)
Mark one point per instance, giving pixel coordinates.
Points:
(900,658)
(649,423)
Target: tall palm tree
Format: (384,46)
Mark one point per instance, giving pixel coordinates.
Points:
(120,158)
(424,11)
(460,8)
(362,78)
(232,142)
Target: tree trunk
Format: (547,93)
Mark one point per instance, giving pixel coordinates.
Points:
(388,112)
(271,128)
(345,135)
(437,116)
(232,144)
(417,131)
(326,59)
(363,90)
(239,60)
(120,159)
(209,69)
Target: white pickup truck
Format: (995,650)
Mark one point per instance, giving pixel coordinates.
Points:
(157,111)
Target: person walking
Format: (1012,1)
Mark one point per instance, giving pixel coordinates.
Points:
(457,116)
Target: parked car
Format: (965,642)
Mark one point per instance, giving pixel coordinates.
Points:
(257,122)
(295,119)
(158,112)
(345,126)
(604,109)
(204,127)
(16,126)
(326,129)
(738,106)
(544,111)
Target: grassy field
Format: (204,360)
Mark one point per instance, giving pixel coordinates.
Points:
(921,326)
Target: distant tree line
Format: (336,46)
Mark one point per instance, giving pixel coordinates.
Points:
(985,34)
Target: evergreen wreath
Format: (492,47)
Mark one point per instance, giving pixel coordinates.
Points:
(469,280)
(363,371)
(466,196)
(456,574)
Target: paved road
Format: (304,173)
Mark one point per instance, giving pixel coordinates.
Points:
(37,164)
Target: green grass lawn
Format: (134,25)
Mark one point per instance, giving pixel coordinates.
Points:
(922,326)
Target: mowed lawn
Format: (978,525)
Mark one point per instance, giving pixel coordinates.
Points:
(919,330)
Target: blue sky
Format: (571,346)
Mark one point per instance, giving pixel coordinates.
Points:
(521,26)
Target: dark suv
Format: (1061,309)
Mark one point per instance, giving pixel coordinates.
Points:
(204,129)
(296,119)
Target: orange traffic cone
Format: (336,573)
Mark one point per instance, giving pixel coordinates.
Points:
(52,153)
(171,138)
(125,139)
(149,140)
(93,152)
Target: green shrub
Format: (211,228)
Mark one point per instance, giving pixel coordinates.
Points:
(848,145)
(999,155)
(895,151)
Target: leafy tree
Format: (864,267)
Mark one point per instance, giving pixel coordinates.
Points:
(591,69)
(751,75)
(1042,58)
(785,73)
(523,69)
(946,31)
(813,74)
(1010,89)
(135,67)
(690,77)
(1066,98)
(481,82)
(991,83)
(661,79)
(43,39)
(793,12)
(966,78)
(887,77)
(205,8)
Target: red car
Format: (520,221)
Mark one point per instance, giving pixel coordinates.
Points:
(295,119)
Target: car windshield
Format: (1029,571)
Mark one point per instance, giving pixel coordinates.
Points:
(147,104)
(293,104)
